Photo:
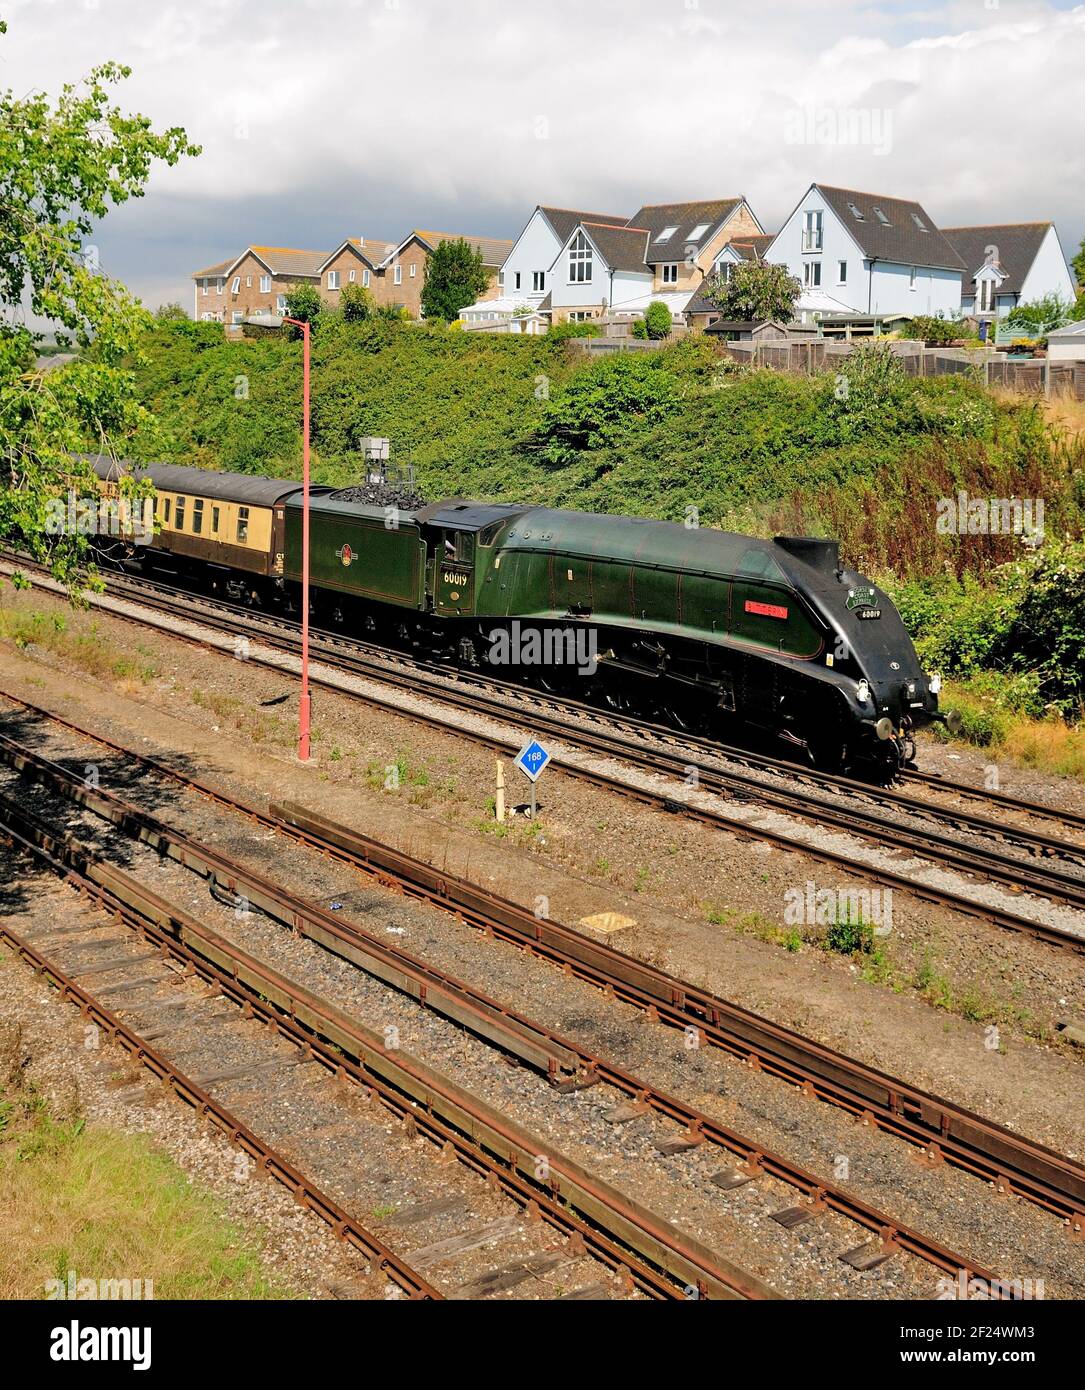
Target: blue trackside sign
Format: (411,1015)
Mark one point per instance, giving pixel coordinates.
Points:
(532,760)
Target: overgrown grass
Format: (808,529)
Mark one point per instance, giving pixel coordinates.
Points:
(78,642)
(107,1205)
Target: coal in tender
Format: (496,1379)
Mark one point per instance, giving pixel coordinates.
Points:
(382,494)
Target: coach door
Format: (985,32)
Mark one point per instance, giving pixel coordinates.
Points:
(454,573)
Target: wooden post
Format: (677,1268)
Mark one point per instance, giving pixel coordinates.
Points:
(499,804)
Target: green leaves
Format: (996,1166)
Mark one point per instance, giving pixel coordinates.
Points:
(455,277)
(755,291)
(62,166)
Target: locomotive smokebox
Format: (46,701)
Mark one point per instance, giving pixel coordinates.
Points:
(821,555)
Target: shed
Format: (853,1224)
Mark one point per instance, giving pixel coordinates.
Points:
(1067,344)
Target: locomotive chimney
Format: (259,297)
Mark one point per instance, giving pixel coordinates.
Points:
(822,555)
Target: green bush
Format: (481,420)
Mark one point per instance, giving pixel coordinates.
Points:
(657,320)
(932,329)
(573,328)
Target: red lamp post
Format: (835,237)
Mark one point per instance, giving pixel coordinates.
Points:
(305,706)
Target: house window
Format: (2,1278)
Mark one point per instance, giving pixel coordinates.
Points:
(856,213)
(911,278)
(280,303)
(670,274)
(398,276)
(728,266)
(698,231)
(365,279)
(882,217)
(242,525)
(203,287)
(666,234)
(516,281)
(811,274)
(414,271)
(197,515)
(538,281)
(333,279)
(179,515)
(987,296)
(580,315)
(580,259)
(500,279)
(841,272)
(248,282)
(236,286)
(265,284)
(214,521)
(350,277)
(919,222)
(219,285)
(812,230)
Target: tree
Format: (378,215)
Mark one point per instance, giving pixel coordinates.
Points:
(62,167)
(1078,264)
(303,302)
(356,304)
(170,313)
(755,291)
(1039,315)
(455,277)
(657,320)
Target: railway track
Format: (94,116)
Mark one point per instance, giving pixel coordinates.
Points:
(697,761)
(650,1255)
(565,1064)
(944,1132)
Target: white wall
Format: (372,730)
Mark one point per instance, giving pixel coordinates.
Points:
(535,249)
(616,289)
(936,291)
(837,245)
(1049,273)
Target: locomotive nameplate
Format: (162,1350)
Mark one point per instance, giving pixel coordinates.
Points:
(766,610)
(861,598)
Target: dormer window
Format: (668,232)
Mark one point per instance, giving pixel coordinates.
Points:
(666,234)
(580,259)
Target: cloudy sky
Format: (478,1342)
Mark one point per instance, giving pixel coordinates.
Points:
(321,119)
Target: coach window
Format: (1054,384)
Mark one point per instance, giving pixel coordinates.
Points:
(165,511)
(242,525)
(197,515)
(179,524)
(214,521)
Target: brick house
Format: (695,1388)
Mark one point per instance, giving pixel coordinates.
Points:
(207,292)
(356,261)
(259,280)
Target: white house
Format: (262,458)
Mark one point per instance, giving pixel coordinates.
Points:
(524,279)
(600,268)
(872,254)
(1015,263)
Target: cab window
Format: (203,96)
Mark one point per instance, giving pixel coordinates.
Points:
(459,546)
